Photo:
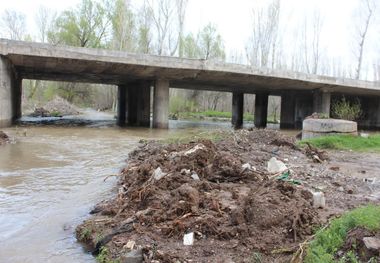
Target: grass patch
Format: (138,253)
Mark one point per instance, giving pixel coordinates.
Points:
(346,142)
(327,241)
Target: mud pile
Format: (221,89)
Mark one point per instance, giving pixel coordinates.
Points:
(221,192)
(3,138)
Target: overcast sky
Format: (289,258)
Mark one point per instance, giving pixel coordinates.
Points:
(232,18)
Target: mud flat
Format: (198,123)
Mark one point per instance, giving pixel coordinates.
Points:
(205,201)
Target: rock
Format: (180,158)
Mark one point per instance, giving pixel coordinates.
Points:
(319,200)
(349,190)
(188,239)
(135,256)
(276,166)
(372,243)
(158,174)
(195,176)
(340,189)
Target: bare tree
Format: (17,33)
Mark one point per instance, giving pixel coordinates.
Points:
(365,16)
(262,44)
(168,18)
(44,19)
(13,23)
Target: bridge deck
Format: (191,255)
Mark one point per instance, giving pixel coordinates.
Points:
(61,63)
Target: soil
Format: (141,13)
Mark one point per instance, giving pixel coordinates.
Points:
(354,243)
(237,212)
(3,138)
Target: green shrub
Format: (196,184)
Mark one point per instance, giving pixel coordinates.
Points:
(346,110)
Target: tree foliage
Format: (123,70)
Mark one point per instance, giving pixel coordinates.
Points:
(85,26)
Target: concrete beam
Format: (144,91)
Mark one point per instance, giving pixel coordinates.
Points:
(321,102)
(288,107)
(10,93)
(161,104)
(237,109)
(261,110)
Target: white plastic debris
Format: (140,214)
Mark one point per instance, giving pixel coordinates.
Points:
(195,149)
(319,200)
(195,176)
(364,135)
(188,239)
(185,171)
(158,174)
(130,245)
(246,166)
(276,166)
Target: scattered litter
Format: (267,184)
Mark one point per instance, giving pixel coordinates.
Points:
(364,135)
(185,171)
(158,174)
(188,239)
(276,166)
(195,176)
(195,149)
(130,245)
(319,200)
(285,177)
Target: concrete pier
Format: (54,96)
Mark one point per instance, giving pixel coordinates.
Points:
(10,93)
(134,104)
(161,104)
(261,110)
(288,107)
(321,102)
(121,105)
(237,109)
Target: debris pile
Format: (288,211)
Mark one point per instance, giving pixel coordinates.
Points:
(57,107)
(204,201)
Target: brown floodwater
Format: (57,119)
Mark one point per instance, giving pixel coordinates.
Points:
(51,177)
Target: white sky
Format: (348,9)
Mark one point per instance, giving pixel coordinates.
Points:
(232,18)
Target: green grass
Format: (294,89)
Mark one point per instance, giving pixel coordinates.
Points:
(346,142)
(327,241)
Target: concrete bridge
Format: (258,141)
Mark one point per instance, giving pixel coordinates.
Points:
(135,75)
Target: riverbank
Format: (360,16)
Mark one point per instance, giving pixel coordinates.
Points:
(220,197)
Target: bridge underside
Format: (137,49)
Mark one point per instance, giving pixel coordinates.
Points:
(136,75)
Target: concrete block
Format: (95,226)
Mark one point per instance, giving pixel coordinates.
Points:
(324,127)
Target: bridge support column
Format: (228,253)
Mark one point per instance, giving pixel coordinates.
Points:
(261,110)
(161,104)
(321,102)
(121,105)
(237,109)
(288,108)
(134,104)
(10,94)
(138,104)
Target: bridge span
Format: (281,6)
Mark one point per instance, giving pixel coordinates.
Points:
(136,74)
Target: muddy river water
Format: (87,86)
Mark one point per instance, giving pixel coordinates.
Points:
(51,177)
